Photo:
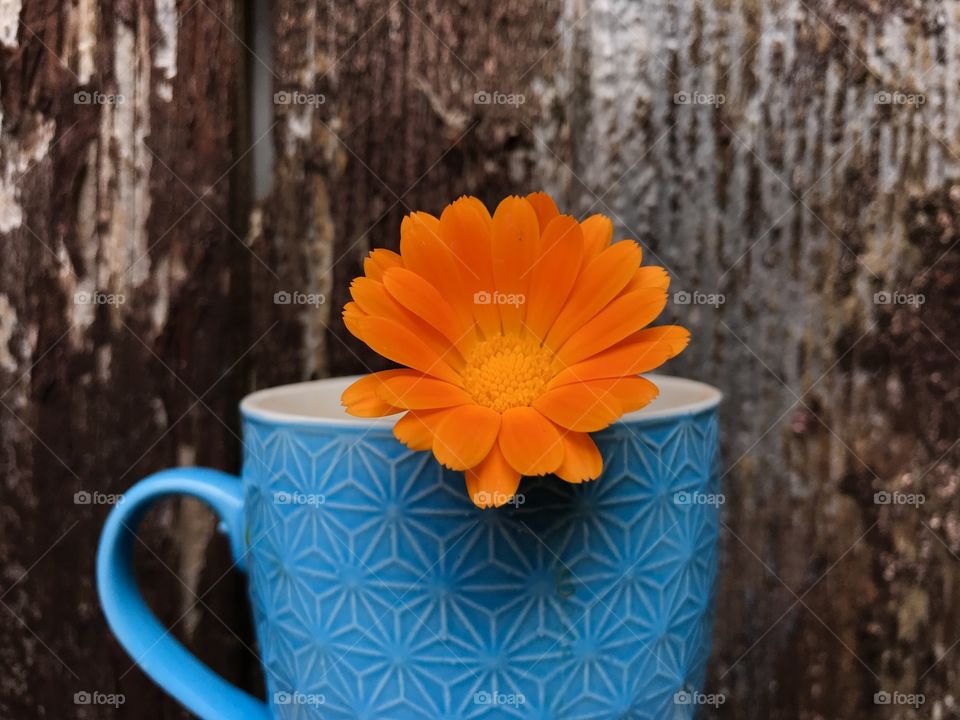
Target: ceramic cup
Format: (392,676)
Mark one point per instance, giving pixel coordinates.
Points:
(379,591)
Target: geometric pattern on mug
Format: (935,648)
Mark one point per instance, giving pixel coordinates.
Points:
(380,591)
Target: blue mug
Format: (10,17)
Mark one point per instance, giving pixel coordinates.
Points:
(379,591)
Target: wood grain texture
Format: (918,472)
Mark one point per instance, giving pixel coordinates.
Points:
(397,130)
(122,269)
(797,196)
(796,193)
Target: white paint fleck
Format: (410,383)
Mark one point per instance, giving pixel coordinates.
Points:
(104,361)
(36,143)
(31,149)
(161,303)
(195,526)
(299,127)
(11,214)
(124,247)
(81,313)
(8,321)
(319,259)
(158,412)
(165,51)
(9,22)
(86,24)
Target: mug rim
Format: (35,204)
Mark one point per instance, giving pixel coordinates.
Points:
(255,406)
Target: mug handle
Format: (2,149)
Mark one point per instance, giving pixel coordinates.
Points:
(150,644)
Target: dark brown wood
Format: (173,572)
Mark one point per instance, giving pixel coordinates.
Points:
(398,130)
(129,197)
(798,196)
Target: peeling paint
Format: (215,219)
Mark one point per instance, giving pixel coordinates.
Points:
(83,22)
(125,246)
(8,321)
(34,146)
(29,150)
(76,216)
(193,529)
(165,51)
(299,127)
(714,193)
(319,257)
(11,214)
(9,22)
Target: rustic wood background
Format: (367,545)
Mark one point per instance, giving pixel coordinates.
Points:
(797,195)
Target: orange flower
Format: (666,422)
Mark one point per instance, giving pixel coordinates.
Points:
(520,334)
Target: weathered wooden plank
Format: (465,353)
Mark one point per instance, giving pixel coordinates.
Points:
(122,306)
(378,118)
(797,196)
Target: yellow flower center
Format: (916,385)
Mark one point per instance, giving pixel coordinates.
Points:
(507,371)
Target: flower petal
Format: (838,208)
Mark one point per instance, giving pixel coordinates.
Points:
(464,228)
(676,337)
(580,407)
(600,282)
(416,428)
(416,228)
(464,436)
(633,393)
(352,314)
(372,408)
(493,482)
(380,260)
(425,301)
(361,399)
(372,297)
(530,442)
(425,253)
(399,343)
(581,458)
(515,245)
(545,208)
(413,391)
(553,273)
(479,207)
(648,276)
(640,353)
(618,320)
(597,236)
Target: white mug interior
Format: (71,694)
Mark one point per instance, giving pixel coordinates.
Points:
(318,402)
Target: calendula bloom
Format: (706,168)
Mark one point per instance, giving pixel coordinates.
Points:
(519,334)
